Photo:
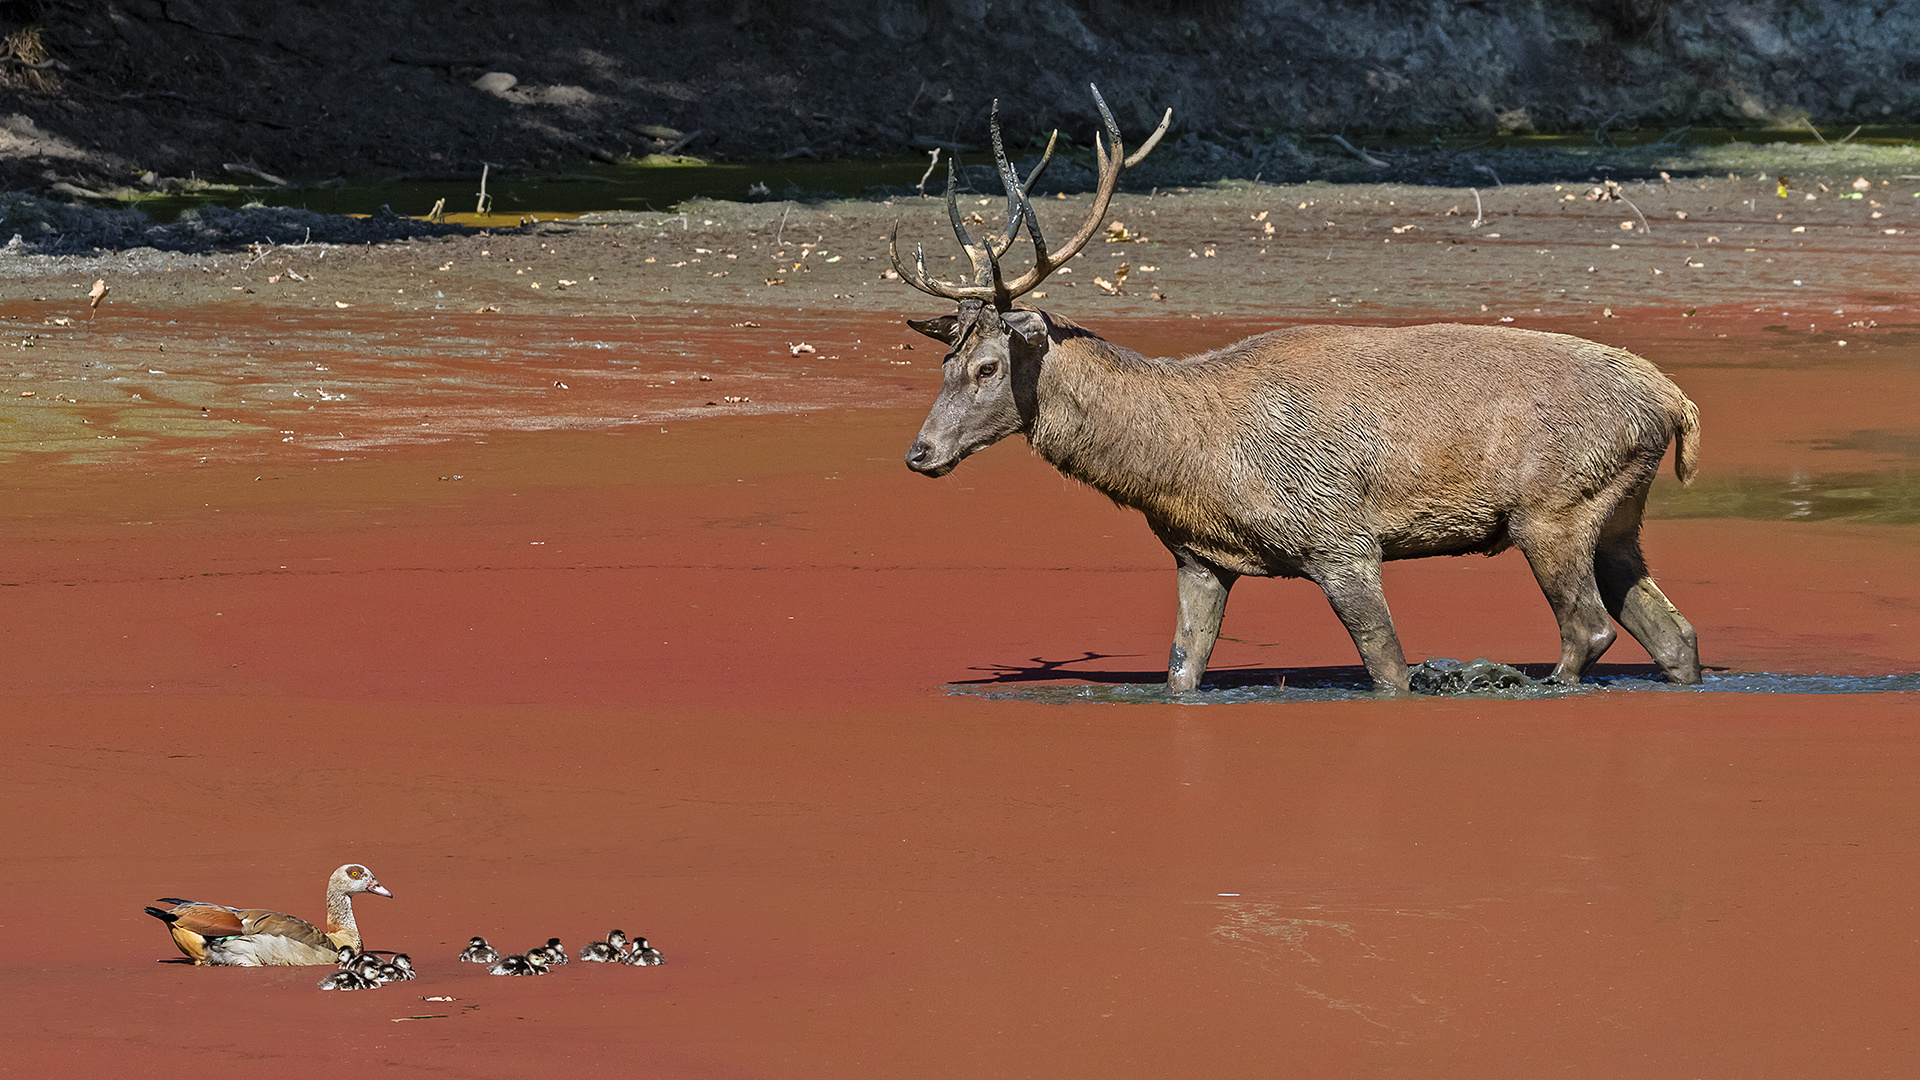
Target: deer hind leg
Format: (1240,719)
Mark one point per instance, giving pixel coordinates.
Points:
(1639,605)
(1562,558)
(1203,603)
(1354,590)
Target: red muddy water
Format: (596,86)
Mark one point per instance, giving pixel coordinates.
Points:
(689,677)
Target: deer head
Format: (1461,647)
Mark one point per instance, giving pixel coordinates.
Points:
(989,367)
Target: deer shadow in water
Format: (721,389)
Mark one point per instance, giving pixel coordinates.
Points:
(1041,671)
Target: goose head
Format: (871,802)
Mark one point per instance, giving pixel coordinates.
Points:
(354,878)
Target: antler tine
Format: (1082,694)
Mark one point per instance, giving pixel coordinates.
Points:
(1039,242)
(984,270)
(1111,159)
(983,287)
(1048,156)
(1019,202)
(1153,140)
(1009,180)
(1026,201)
(1113,126)
(916,279)
(1110,164)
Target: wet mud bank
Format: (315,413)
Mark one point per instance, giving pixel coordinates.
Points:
(553,659)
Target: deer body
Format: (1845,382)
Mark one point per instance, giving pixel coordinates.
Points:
(1321,451)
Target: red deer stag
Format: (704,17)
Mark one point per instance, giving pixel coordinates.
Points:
(1319,451)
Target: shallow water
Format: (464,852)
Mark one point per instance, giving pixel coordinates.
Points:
(661,184)
(554,659)
(1302,685)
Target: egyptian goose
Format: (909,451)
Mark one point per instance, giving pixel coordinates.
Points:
(611,951)
(644,955)
(479,952)
(213,934)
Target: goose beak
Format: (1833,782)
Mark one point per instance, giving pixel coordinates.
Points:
(379,890)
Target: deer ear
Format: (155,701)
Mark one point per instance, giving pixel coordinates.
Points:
(1028,324)
(941,327)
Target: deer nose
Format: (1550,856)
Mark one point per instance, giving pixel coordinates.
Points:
(924,459)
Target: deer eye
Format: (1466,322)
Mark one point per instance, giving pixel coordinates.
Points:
(987,370)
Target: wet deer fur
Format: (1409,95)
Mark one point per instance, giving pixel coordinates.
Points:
(1321,451)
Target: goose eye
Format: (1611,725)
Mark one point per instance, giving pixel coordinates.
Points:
(355,872)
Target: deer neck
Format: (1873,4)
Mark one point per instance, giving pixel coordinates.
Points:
(1109,417)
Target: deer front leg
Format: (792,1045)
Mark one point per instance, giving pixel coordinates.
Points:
(1358,598)
(1203,603)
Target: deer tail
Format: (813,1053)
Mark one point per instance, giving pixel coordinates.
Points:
(1686,443)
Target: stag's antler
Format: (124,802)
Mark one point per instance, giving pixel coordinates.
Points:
(985,259)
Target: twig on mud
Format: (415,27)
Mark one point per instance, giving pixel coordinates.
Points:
(922,185)
(65,188)
(1356,151)
(1644,227)
(485,199)
(1477,219)
(1823,139)
(258,174)
(777,233)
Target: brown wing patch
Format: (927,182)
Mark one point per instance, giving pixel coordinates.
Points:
(206,920)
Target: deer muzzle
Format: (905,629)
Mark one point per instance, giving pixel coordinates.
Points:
(927,460)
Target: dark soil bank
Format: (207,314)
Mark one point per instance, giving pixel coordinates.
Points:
(104,94)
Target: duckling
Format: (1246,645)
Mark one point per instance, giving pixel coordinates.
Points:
(479,952)
(398,969)
(359,962)
(611,951)
(519,965)
(552,952)
(347,980)
(214,934)
(644,955)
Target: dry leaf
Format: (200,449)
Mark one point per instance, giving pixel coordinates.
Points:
(99,293)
